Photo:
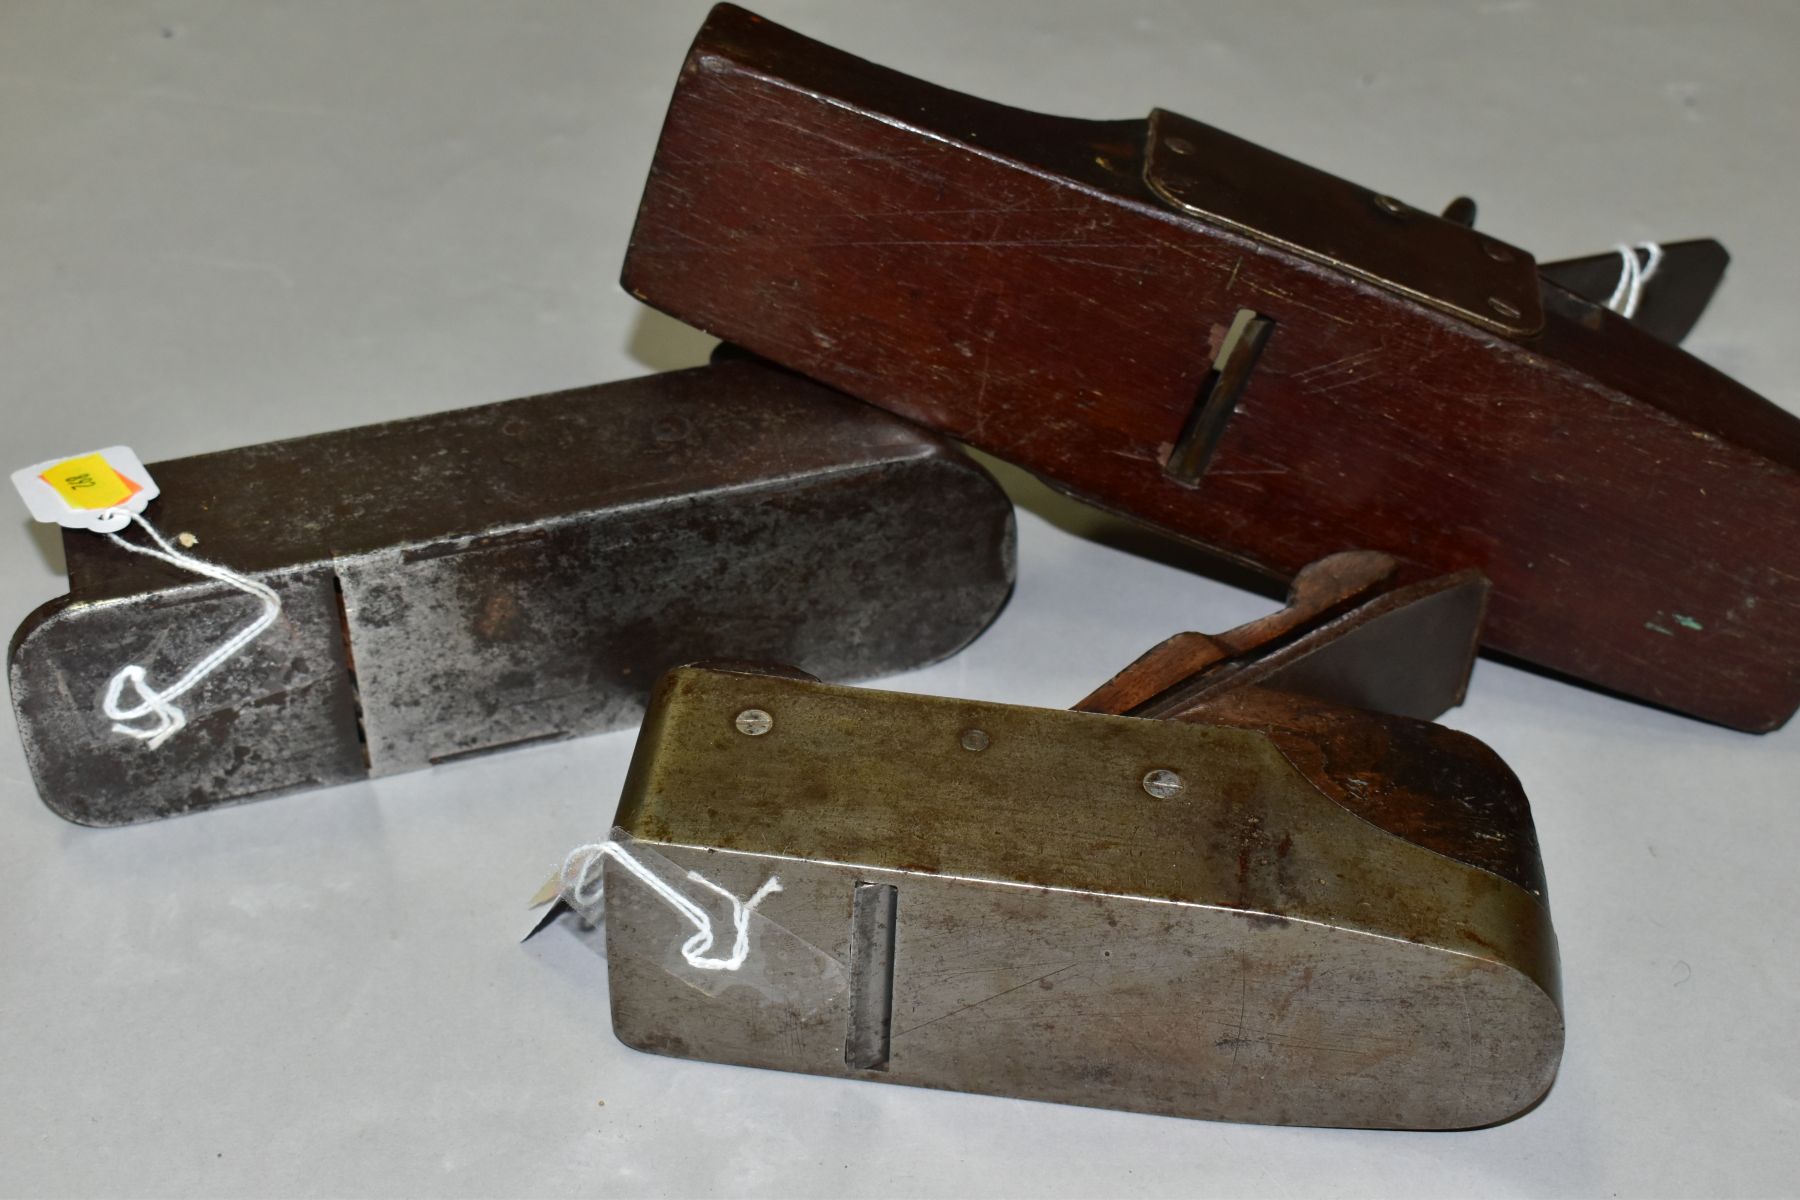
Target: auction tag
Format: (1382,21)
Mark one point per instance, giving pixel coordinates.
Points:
(98,491)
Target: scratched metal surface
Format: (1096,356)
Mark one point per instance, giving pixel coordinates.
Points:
(228,222)
(1093,999)
(1391,985)
(517,572)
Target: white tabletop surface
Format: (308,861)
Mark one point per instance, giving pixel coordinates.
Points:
(227,222)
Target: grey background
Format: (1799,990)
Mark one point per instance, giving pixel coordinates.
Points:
(223,223)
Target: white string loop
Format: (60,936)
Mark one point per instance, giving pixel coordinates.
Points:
(1633,275)
(580,873)
(166,717)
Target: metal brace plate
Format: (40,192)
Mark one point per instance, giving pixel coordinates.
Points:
(1210,174)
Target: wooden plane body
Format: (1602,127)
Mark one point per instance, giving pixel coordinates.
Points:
(1072,295)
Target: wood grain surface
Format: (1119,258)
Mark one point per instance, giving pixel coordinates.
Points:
(1008,278)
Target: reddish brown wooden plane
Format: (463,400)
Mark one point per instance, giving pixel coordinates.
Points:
(1182,327)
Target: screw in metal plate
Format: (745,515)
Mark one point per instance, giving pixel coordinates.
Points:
(1390,205)
(754,722)
(1509,311)
(975,739)
(1163,783)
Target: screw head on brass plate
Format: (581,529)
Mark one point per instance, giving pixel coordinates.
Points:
(754,722)
(1163,783)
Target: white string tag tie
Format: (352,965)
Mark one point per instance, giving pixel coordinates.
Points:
(1634,274)
(582,882)
(105,491)
(166,717)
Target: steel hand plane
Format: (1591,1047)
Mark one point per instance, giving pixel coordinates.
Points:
(1215,890)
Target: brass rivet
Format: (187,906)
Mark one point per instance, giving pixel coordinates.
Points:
(1163,783)
(1509,311)
(754,722)
(974,739)
(1392,206)
(1179,145)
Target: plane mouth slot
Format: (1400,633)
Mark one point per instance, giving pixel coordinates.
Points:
(356,705)
(1218,399)
(872,911)
(482,751)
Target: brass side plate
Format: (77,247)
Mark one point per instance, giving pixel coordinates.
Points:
(1226,180)
(1139,914)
